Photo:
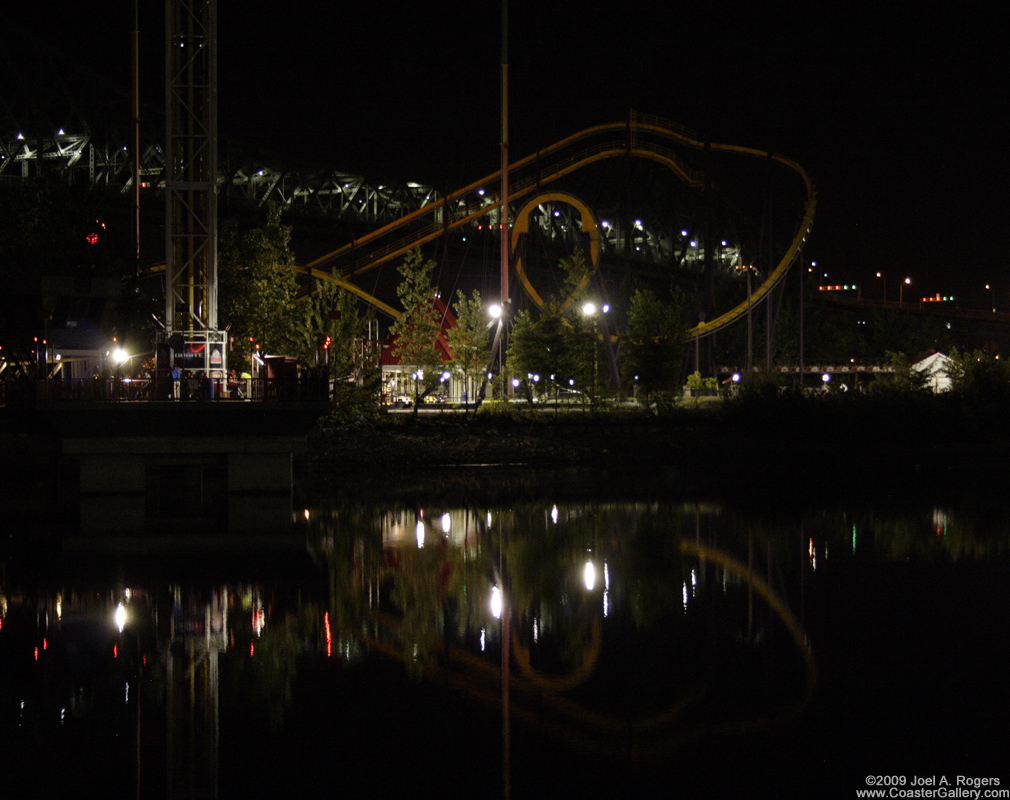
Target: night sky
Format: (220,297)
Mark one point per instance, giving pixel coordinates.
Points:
(900,114)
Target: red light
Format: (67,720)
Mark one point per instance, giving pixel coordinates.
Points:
(92,238)
(45,643)
(252,649)
(36,654)
(115,651)
(329,635)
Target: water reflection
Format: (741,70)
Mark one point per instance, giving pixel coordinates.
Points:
(634,630)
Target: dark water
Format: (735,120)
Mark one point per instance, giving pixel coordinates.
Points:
(660,644)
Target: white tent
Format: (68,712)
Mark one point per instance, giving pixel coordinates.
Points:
(934,368)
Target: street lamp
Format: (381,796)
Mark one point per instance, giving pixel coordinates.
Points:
(589,310)
(987,286)
(884,281)
(901,289)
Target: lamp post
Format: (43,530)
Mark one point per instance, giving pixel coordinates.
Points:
(987,286)
(589,310)
(883,281)
(901,289)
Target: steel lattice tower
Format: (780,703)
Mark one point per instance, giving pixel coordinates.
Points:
(191,181)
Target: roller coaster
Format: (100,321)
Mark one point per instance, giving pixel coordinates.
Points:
(532,179)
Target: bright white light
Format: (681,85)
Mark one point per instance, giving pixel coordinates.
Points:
(494,310)
(480,192)
(557,213)
(515,382)
(489,519)
(496,602)
(736,377)
(420,534)
(482,640)
(554,515)
(826,378)
(589,309)
(605,224)
(120,617)
(446,523)
(683,233)
(606,576)
(119,355)
(638,223)
(536,378)
(571,381)
(606,309)
(60,132)
(606,604)
(446,376)
(589,576)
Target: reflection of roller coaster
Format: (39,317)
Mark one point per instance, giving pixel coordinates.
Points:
(641,137)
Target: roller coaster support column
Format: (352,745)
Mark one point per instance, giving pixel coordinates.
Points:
(504,220)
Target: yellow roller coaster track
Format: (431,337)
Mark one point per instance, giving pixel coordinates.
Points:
(530,174)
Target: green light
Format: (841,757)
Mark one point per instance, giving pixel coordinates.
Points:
(853,539)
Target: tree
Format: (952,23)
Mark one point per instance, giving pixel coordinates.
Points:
(979,377)
(653,348)
(543,348)
(257,289)
(417,330)
(469,341)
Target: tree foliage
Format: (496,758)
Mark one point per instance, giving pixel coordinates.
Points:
(979,377)
(653,349)
(469,341)
(257,290)
(417,330)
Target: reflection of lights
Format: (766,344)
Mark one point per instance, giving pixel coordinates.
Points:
(59,607)
(606,603)
(536,629)
(258,620)
(606,576)
(685,597)
(120,617)
(482,640)
(813,554)
(306,514)
(489,519)
(496,602)
(126,696)
(694,583)
(554,515)
(589,576)
(420,534)
(446,523)
(329,634)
